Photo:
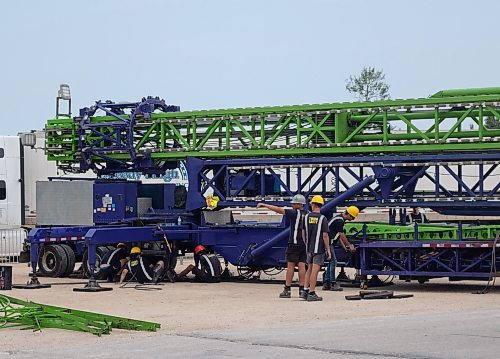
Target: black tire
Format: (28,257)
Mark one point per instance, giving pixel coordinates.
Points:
(70,254)
(53,261)
(99,253)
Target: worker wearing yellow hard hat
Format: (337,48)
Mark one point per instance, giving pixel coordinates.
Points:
(318,200)
(337,235)
(141,269)
(315,233)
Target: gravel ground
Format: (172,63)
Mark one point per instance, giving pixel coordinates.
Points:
(184,307)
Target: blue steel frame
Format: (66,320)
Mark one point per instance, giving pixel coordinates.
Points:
(416,259)
(261,247)
(397,178)
(109,136)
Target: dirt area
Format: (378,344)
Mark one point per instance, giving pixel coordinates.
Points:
(185,307)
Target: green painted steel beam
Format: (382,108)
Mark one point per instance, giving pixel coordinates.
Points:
(468,92)
(427,232)
(300,130)
(29,315)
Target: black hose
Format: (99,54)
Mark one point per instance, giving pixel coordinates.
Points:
(493,269)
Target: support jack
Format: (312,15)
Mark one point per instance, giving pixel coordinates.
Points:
(34,283)
(92,286)
(342,277)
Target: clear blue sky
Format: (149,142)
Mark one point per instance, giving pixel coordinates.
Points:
(218,54)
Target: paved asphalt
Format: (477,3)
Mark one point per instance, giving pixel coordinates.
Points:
(448,335)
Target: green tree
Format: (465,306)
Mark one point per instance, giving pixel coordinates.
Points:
(492,123)
(369,85)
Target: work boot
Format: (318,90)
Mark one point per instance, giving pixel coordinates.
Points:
(171,276)
(286,293)
(314,298)
(157,271)
(327,286)
(303,294)
(336,287)
(156,277)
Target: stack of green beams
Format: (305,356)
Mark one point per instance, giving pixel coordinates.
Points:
(30,315)
(426,232)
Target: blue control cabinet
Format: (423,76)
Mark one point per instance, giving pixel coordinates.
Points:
(114,202)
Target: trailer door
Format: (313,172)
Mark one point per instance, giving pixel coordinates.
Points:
(10,184)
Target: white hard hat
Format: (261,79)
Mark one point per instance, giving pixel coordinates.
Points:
(298,199)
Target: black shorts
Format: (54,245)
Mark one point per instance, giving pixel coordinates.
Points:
(316,258)
(109,272)
(296,254)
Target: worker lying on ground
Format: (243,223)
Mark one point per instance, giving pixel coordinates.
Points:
(113,262)
(337,234)
(142,269)
(317,239)
(207,266)
(296,250)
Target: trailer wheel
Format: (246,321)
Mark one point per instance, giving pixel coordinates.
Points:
(248,272)
(53,262)
(100,252)
(70,255)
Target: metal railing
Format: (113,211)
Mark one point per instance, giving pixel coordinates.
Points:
(11,244)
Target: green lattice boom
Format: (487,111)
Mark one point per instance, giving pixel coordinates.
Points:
(438,123)
(427,232)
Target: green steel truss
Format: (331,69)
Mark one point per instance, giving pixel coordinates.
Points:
(439,123)
(427,232)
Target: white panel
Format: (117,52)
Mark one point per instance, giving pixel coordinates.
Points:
(10,172)
(64,203)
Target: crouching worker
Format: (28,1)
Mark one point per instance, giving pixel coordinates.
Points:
(206,268)
(113,262)
(142,269)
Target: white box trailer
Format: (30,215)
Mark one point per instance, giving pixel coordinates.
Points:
(20,168)
(11,191)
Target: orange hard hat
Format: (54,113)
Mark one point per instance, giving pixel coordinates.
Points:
(199,248)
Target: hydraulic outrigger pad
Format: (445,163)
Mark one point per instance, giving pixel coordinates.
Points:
(34,283)
(92,286)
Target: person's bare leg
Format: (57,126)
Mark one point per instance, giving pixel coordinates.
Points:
(307,277)
(302,273)
(290,270)
(314,277)
(186,271)
(123,274)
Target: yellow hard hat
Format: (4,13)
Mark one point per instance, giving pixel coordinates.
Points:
(353,211)
(121,245)
(135,250)
(318,200)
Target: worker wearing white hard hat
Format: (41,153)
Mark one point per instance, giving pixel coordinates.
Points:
(296,249)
